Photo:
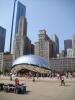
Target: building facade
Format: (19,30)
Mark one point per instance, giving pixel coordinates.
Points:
(55,40)
(22,44)
(21,11)
(62,64)
(73,45)
(2,38)
(32,48)
(67,45)
(1,61)
(7,60)
(44,46)
(69,53)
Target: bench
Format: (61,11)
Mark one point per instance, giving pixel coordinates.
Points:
(9,87)
(20,89)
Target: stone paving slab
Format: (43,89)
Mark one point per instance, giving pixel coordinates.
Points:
(44,89)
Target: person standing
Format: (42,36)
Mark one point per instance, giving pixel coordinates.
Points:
(10,76)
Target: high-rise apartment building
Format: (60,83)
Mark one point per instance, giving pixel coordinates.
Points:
(55,40)
(21,11)
(44,46)
(2,38)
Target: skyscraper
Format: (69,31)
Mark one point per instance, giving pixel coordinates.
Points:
(44,46)
(67,45)
(21,11)
(2,38)
(73,45)
(55,39)
(22,44)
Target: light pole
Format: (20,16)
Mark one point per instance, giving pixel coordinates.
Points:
(12,25)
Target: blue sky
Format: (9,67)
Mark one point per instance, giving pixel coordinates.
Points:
(56,16)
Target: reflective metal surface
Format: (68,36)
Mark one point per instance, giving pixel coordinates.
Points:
(31,59)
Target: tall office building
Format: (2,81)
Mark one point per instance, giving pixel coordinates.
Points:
(44,46)
(21,11)
(73,45)
(32,48)
(69,53)
(22,44)
(2,38)
(55,40)
(67,45)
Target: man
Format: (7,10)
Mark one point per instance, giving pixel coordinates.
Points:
(62,81)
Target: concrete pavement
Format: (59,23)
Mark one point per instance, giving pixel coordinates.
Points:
(43,90)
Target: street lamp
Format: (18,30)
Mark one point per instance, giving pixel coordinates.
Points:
(12,25)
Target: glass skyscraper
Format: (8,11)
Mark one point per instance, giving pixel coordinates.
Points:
(21,11)
(67,44)
(2,38)
(55,39)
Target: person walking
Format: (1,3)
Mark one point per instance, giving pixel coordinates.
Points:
(62,81)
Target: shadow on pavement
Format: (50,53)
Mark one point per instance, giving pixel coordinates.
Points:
(27,92)
(67,85)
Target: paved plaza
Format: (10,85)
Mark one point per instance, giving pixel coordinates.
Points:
(42,89)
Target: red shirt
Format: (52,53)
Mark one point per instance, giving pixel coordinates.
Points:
(17,82)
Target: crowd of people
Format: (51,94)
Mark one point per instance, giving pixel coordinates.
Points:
(60,76)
